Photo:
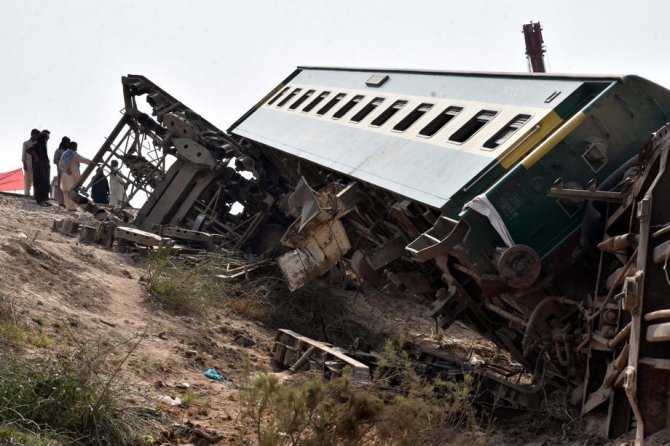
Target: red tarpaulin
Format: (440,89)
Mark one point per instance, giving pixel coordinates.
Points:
(10,181)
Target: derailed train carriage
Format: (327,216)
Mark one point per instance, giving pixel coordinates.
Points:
(530,207)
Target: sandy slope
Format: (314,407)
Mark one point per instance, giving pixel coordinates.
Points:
(97,294)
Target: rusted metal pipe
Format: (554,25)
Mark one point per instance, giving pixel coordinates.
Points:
(506,314)
(616,340)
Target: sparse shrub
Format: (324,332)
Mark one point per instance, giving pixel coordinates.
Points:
(312,413)
(190,398)
(13,334)
(398,408)
(247,308)
(12,436)
(187,286)
(78,399)
(422,411)
(195,285)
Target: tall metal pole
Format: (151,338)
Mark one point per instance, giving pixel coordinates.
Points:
(535,49)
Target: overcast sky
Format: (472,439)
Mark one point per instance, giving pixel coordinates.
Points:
(61,60)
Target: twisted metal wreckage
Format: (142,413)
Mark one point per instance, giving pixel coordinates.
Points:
(531,207)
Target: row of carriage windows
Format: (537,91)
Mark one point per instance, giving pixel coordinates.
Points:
(312,101)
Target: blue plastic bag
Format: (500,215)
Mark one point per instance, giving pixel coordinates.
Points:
(213,374)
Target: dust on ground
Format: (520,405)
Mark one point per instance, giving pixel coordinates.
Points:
(75,290)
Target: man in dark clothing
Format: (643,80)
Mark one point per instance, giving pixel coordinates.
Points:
(100,187)
(41,168)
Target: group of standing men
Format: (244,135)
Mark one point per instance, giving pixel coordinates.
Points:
(36,167)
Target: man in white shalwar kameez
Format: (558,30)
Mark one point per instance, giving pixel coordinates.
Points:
(117,187)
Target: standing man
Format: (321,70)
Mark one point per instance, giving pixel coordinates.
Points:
(99,187)
(41,168)
(117,188)
(70,175)
(62,147)
(27,161)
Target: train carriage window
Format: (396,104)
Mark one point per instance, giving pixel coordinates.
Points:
(388,113)
(358,117)
(503,134)
(472,126)
(302,99)
(440,121)
(412,117)
(316,101)
(290,96)
(330,104)
(277,96)
(348,106)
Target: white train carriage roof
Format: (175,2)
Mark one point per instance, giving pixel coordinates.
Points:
(423,135)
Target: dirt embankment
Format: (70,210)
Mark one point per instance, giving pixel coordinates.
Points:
(72,292)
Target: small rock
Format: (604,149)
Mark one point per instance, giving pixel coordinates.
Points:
(244,341)
(170,401)
(127,274)
(190,353)
(162,335)
(40,303)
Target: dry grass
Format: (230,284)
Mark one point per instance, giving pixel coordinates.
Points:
(192,286)
(74,396)
(398,408)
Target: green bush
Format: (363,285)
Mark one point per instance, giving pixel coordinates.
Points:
(75,400)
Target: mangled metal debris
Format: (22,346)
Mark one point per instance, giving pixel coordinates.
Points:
(507,192)
(300,353)
(318,235)
(297,352)
(67,226)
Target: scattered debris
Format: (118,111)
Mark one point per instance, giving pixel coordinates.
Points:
(176,401)
(216,376)
(297,352)
(109,324)
(244,341)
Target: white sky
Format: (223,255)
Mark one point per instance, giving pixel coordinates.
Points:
(61,60)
